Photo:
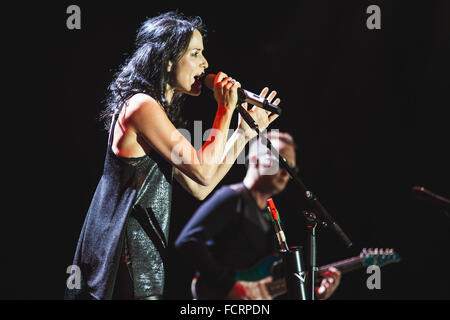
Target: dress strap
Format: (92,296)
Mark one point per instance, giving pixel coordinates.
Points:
(111,129)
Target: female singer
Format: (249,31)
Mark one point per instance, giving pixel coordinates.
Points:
(121,251)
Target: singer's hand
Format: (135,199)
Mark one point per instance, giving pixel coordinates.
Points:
(225,91)
(262,117)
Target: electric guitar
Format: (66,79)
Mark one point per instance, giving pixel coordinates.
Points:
(272,265)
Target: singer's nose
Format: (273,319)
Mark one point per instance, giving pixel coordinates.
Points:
(204,63)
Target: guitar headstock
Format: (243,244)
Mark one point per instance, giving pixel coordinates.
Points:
(378,256)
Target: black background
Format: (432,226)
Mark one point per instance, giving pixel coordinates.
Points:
(367,109)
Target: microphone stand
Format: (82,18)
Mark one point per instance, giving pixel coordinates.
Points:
(311,224)
(313,202)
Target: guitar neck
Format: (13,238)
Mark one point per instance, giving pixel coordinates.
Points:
(379,257)
(345,266)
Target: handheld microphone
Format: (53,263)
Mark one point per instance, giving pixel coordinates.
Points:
(246,96)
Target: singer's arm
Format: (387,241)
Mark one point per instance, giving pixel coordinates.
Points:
(146,119)
(144,127)
(233,148)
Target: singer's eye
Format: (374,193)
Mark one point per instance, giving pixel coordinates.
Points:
(195,54)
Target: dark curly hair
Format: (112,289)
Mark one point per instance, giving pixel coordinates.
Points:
(159,40)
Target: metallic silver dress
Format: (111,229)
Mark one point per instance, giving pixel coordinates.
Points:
(127,221)
(147,227)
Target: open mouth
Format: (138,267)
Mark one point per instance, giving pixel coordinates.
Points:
(199,78)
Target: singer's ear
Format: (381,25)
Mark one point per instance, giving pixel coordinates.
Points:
(169,66)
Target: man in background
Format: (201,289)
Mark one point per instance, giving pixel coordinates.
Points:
(233,231)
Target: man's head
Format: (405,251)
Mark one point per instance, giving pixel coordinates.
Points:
(264,171)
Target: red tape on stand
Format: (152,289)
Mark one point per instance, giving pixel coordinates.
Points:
(273,210)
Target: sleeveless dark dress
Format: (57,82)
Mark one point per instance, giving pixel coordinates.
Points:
(128,218)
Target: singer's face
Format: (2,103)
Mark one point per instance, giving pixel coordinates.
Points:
(273,177)
(189,69)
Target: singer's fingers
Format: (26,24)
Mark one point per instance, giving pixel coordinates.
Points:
(272,117)
(277,102)
(232,84)
(271,96)
(225,81)
(264,92)
(220,76)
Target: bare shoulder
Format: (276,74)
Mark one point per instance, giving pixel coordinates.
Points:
(143,109)
(142,102)
(137,115)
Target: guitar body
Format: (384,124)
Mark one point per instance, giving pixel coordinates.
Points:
(267,267)
(272,266)
(263,269)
